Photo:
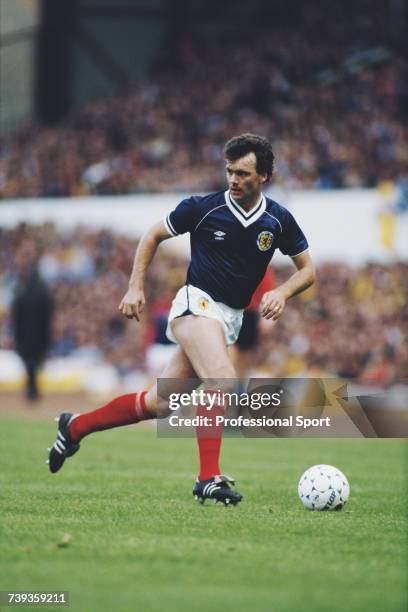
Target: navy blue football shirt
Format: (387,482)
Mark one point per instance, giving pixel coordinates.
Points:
(231,248)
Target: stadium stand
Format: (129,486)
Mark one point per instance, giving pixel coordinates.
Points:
(331,95)
(351,324)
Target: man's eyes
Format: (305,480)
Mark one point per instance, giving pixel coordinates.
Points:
(239,173)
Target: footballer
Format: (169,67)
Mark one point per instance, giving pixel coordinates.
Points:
(233,235)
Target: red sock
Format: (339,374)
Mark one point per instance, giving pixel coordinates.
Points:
(209,443)
(122,410)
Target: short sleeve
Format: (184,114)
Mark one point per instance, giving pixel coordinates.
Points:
(292,241)
(182,218)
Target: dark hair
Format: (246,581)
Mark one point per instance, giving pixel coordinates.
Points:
(239,146)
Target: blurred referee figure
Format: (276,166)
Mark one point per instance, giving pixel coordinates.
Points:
(233,236)
(31,321)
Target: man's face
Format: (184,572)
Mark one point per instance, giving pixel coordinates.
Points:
(244,182)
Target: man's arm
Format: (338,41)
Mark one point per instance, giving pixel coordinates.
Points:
(133,302)
(273,302)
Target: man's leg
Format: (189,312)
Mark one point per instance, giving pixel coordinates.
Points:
(123,410)
(203,341)
(32,372)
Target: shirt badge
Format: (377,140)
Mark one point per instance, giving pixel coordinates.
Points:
(264,241)
(203,303)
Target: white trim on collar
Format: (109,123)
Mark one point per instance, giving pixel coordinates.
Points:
(245,218)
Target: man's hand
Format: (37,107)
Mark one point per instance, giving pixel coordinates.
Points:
(272,304)
(133,304)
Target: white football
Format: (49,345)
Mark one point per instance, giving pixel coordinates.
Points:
(323,487)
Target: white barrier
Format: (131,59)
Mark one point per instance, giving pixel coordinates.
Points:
(341,225)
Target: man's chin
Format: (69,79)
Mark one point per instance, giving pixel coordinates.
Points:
(238,196)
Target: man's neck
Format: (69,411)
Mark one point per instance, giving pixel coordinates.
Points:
(248,206)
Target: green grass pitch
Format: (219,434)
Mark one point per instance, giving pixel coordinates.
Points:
(118,527)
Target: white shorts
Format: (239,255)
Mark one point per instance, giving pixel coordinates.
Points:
(199,303)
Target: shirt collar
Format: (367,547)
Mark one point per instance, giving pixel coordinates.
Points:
(244,217)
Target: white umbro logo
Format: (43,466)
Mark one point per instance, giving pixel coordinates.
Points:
(219,235)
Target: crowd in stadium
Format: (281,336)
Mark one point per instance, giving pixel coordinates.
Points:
(352,323)
(332,100)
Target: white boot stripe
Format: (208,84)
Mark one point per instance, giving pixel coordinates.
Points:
(210,488)
(57,449)
(60,445)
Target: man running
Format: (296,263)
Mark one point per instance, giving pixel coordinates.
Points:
(233,237)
